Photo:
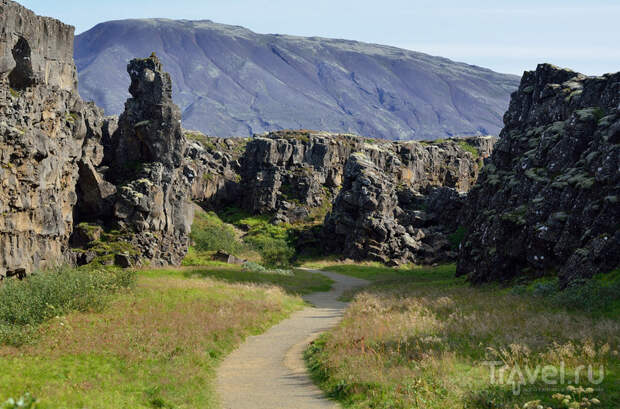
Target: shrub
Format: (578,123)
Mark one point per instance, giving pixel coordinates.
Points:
(27,303)
(271,241)
(253,267)
(209,233)
(273,251)
(257,268)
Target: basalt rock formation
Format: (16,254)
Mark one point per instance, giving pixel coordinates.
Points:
(291,174)
(45,131)
(214,164)
(547,200)
(147,164)
(63,163)
(406,214)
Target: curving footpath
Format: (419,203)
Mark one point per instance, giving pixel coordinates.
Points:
(268,370)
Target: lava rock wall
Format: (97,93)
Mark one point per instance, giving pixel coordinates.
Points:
(44,127)
(547,202)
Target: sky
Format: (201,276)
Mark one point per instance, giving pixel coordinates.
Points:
(508,36)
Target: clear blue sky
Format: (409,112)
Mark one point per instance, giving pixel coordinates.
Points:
(504,35)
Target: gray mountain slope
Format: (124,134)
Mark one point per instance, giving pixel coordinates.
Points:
(230,81)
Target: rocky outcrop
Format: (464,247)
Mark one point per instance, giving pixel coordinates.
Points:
(45,131)
(148,165)
(215,164)
(126,181)
(35,50)
(374,218)
(547,200)
(291,174)
(400,201)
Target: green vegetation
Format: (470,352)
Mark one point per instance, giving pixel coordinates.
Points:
(292,281)
(597,297)
(213,144)
(202,139)
(272,242)
(105,244)
(25,304)
(419,337)
(516,216)
(154,347)
(209,233)
(467,147)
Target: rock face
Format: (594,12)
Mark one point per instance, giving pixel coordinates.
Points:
(374,219)
(230,81)
(215,166)
(35,50)
(291,174)
(401,206)
(62,162)
(547,200)
(149,167)
(45,131)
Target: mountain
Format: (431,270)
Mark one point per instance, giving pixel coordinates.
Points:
(230,81)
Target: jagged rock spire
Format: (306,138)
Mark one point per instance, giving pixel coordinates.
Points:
(150,128)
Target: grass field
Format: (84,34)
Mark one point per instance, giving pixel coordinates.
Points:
(154,346)
(294,282)
(420,338)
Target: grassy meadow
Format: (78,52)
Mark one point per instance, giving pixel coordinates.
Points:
(420,338)
(152,340)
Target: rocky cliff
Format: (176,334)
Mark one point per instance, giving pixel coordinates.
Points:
(547,200)
(44,129)
(230,81)
(401,205)
(63,163)
(292,173)
(35,51)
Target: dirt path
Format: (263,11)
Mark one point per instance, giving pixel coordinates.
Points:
(268,370)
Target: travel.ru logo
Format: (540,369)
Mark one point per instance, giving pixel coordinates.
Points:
(550,376)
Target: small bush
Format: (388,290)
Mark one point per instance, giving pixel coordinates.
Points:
(271,241)
(273,251)
(254,267)
(27,303)
(257,268)
(209,233)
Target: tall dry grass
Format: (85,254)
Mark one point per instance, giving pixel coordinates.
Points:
(424,346)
